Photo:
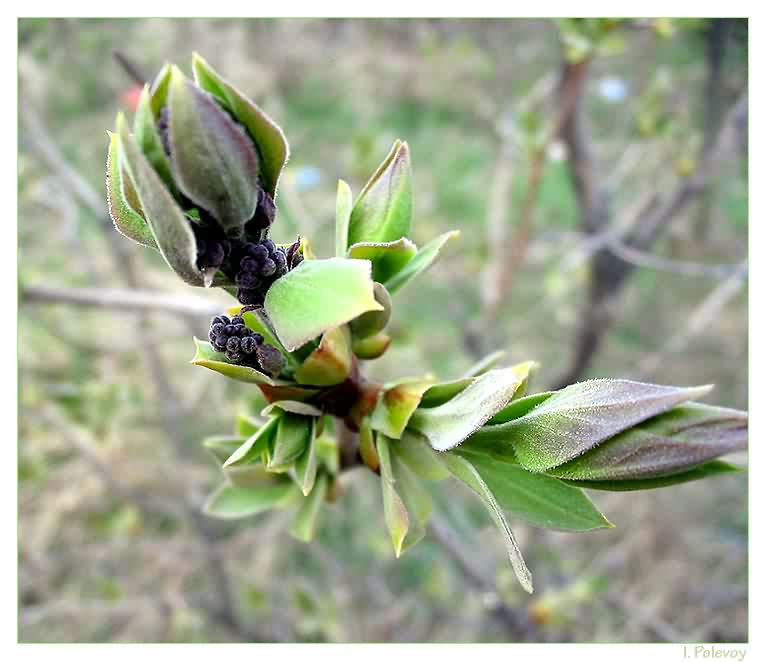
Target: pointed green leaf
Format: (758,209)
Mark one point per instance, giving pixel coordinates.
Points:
(384,209)
(415,452)
(122,200)
(539,499)
(331,362)
(707,470)
(449,424)
(406,504)
(318,295)
(327,453)
(421,261)
(305,523)
(207,357)
(231,502)
(253,447)
(467,474)
(578,418)
(170,228)
(214,161)
(388,258)
(674,442)
(251,475)
(292,438)
(396,405)
(306,465)
(158,94)
(343,213)
(222,446)
(148,139)
(268,137)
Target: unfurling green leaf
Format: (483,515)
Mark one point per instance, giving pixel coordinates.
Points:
(331,362)
(464,471)
(170,228)
(343,213)
(407,506)
(122,199)
(265,133)
(537,498)
(396,405)
(294,433)
(440,393)
(388,258)
(209,358)
(306,520)
(318,295)
(305,468)
(214,161)
(374,321)
(384,209)
(449,424)
(674,442)
(578,418)
(231,502)
(253,447)
(420,262)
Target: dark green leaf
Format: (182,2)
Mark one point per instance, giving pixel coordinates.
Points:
(536,498)
(388,258)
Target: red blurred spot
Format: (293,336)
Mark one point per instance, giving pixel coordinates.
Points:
(130,96)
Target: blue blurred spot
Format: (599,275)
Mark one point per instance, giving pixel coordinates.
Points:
(613,90)
(307,177)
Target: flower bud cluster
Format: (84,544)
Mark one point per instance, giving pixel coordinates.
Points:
(244,346)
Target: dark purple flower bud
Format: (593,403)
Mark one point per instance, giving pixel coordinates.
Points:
(279,258)
(247,280)
(248,264)
(248,345)
(237,320)
(220,319)
(219,344)
(234,357)
(215,254)
(270,359)
(268,267)
(233,344)
(250,297)
(268,244)
(217,327)
(230,329)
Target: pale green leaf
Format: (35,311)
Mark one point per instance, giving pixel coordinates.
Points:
(231,502)
(318,295)
(449,424)
(253,447)
(396,405)
(209,358)
(305,523)
(388,258)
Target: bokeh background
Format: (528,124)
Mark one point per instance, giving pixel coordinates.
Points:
(635,268)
